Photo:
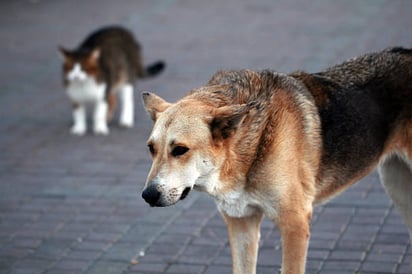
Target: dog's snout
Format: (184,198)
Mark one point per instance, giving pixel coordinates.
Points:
(151,195)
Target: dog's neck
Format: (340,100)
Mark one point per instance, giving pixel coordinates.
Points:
(259,130)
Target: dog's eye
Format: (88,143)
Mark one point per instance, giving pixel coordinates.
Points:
(179,150)
(151,149)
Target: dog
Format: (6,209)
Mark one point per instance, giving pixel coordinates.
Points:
(263,143)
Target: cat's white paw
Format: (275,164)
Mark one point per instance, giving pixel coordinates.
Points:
(78,130)
(127,123)
(101,130)
(126,97)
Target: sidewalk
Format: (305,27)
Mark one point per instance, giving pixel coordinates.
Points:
(73,205)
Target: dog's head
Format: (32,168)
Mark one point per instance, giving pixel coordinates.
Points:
(187,145)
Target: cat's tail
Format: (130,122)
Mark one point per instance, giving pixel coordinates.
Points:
(152,69)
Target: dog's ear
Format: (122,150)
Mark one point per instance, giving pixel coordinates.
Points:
(227,119)
(154,104)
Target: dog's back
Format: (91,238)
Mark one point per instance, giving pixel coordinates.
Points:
(362,103)
(389,67)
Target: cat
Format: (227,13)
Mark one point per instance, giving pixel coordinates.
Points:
(106,64)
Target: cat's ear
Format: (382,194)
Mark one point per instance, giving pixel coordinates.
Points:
(64,53)
(94,55)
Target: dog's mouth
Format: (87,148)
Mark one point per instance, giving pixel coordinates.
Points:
(185,193)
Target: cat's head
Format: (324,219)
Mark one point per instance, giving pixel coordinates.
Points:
(80,65)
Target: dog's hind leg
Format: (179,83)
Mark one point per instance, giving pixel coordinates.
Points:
(396,175)
(244,235)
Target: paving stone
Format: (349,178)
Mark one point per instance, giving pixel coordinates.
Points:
(156,258)
(121,252)
(385,257)
(185,268)
(52,249)
(199,254)
(87,255)
(211,236)
(14,253)
(27,242)
(405,268)
(267,270)
(321,244)
(29,265)
(342,265)
(74,265)
(338,271)
(347,255)
(166,238)
(318,254)
(389,248)
(313,265)
(218,269)
(5,265)
(225,258)
(92,246)
(360,245)
(107,267)
(73,205)
(379,267)
(400,239)
(149,268)
(62,271)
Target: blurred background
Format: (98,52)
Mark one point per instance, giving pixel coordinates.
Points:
(72,204)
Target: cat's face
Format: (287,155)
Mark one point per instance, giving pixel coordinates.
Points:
(80,66)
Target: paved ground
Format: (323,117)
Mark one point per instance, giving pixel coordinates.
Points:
(72,205)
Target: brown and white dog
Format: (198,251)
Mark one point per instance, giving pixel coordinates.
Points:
(275,145)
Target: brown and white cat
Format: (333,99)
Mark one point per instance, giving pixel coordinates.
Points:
(106,64)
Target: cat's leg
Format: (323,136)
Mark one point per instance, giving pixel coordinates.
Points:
(127,111)
(111,100)
(79,120)
(100,117)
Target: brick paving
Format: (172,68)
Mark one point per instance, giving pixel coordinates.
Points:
(72,205)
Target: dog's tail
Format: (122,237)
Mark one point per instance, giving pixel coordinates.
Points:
(152,69)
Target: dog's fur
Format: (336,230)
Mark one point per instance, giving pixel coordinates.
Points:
(274,145)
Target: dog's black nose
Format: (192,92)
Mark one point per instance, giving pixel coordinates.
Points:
(151,195)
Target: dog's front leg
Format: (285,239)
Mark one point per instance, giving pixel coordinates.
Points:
(294,228)
(244,234)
